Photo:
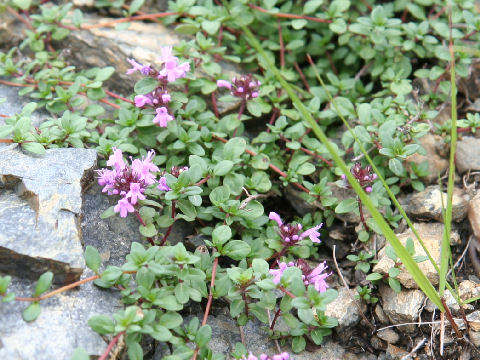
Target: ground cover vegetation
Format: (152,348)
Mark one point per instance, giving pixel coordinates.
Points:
(341,92)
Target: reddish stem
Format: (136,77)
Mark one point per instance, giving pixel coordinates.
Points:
(450,319)
(110,346)
(214,103)
(169,230)
(362,218)
(277,314)
(302,76)
(273,118)
(285,291)
(204,180)
(59,290)
(437,15)
(19,17)
(289,16)
(369,7)
(311,153)
(209,302)
(7,141)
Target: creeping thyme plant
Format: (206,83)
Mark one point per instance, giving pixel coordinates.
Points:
(175,149)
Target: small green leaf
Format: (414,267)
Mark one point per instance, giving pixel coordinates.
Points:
(23,4)
(80,354)
(298,344)
(203,336)
(254,108)
(396,166)
(223,167)
(101,324)
(374,277)
(135,351)
(148,231)
(34,148)
(108,213)
(236,249)
(145,85)
(346,206)
(43,284)
(221,235)
(31,312)
(92,258)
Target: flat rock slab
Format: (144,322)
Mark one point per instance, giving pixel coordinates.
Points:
(468,155)
(61,326)
(428,204)
(403,307)
(40,204)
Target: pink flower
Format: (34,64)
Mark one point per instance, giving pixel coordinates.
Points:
(141,100)
(128,181)
(224,83)
(312,233)
(282,356)
(317,278)
(163,117)
(289,232)
(276,217)
(162,184)
(166,98)
(123,207)
(145,70)
(136,192)
(172,70)
(116,160)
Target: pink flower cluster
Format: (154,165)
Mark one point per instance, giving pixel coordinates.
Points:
(171,70)
(244,87)
(282,356)
(290,233)
(127,180)
(364,176)
(315,276)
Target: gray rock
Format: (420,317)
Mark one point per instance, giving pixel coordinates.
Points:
(395,353)
(432,235)
(15,104)
(381,315)
(466,289)
(468,155)
(389,335)
(474,215)
(11,30)
(344,310)
(403,307)
(61,326)
(112,236)
(437,164)
(427,205)
(39,212)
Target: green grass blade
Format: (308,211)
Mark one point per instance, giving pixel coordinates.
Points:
(446,253)
(403,254)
